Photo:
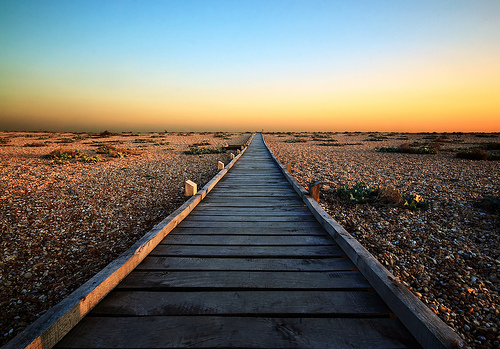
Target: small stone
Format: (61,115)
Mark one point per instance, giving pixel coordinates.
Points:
(28,275)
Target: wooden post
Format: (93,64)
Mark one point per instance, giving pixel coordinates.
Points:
(289,167)
(232,156)
(220,164)
(190,188)
(314,188)
(239,151)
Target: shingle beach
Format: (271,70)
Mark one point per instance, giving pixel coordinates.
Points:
(63,219)
(449,254)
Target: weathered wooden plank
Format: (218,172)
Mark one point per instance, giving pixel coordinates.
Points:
(275,280)
(265,211)
(220,331)
(252,218)
(254,202)
(312,230)
(244,303)
(256,181)
(246,264)
(241,240)
(248,251)
(262,194)
(251,225)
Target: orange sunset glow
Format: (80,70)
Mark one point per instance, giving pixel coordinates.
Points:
(251,65)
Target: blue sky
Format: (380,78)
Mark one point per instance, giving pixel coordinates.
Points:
(221,57)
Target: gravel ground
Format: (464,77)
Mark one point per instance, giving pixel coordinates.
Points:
(447,255)
(62,223)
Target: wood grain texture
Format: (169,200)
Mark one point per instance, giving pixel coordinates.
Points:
(248,251)
(246,240)
(246,264)
(238,332)
(349,304)
(244,280)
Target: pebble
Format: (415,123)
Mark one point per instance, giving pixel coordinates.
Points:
(61,224)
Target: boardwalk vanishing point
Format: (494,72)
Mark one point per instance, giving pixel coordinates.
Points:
(256,263)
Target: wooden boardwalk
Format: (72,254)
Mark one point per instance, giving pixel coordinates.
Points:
(249,267)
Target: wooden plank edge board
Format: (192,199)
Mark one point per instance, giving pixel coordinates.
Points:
(426,327)
(51,327)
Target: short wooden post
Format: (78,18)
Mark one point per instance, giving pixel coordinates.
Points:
(289,167)
(238,151)
(190,188)
(232,156)
(220,164)
(314,188)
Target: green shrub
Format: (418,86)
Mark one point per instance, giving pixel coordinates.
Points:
(62,154)
(115,152)
(223,135)
(494,157)
(61,157)
(200,144)
(426,149)
(200,151)
(413,148)
(387,150)
(362,193)
(295,140)
(90,159)
(414,202)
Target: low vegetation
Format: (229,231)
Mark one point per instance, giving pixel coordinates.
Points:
(115,152)
(200,144)
(490,203)
(4,140)
(35,144)
(330,144)
(362,193)
(295,140)
(200,151)
(484,151)
(66,156)
(412,148)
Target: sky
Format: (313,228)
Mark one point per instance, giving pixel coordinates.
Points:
(406,66)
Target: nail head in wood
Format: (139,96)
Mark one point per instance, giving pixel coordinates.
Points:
(190,188)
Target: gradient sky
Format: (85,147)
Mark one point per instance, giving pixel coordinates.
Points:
(250,65)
